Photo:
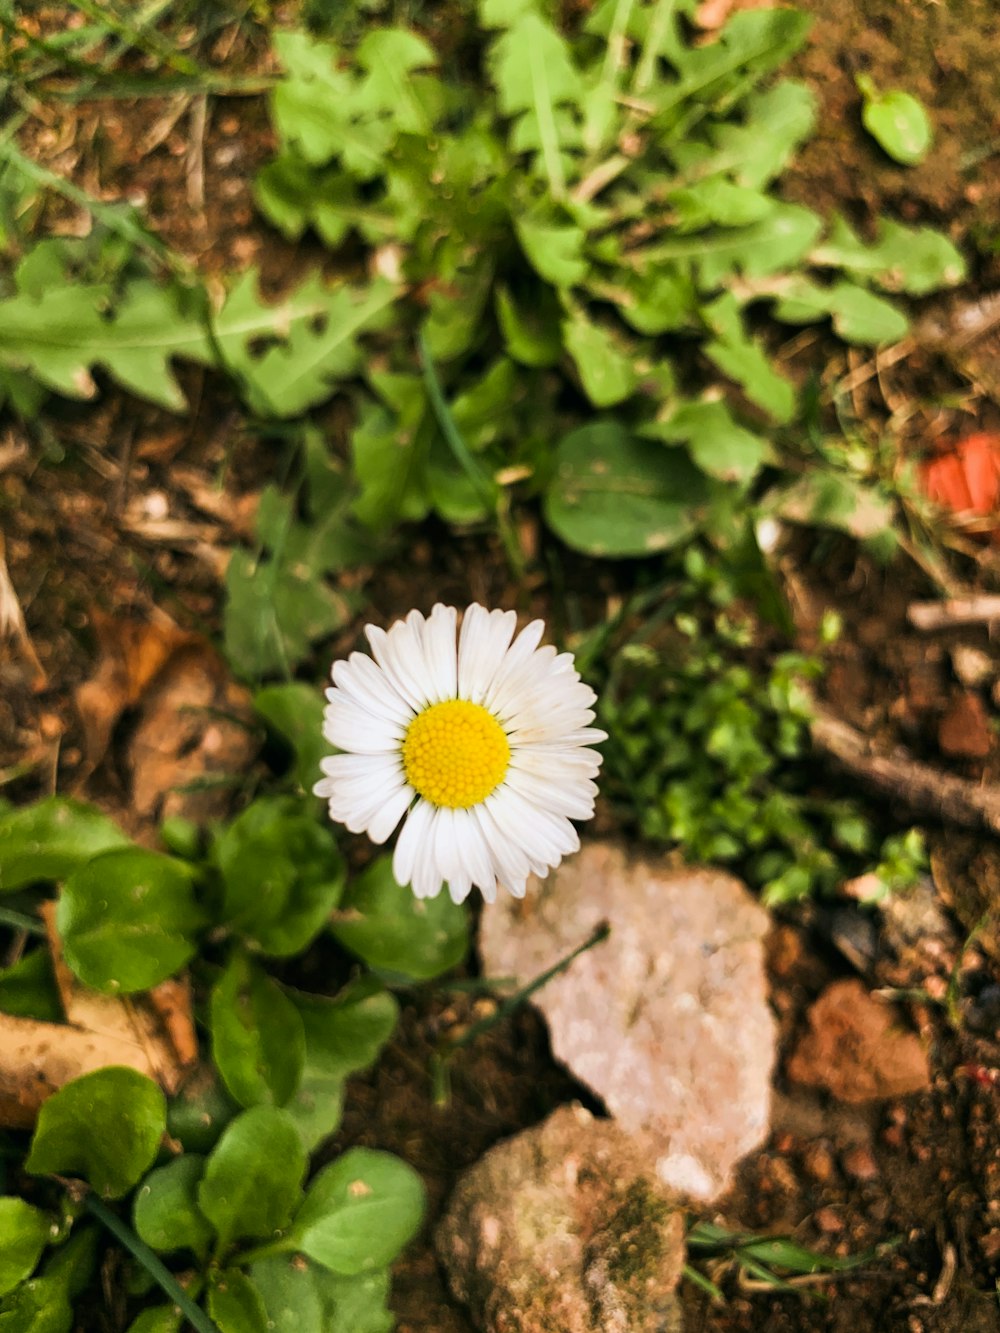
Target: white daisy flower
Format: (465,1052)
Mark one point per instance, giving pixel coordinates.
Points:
(479,741)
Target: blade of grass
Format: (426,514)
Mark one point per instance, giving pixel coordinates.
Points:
(153,1265)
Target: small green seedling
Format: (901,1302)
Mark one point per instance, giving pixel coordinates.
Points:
(897,121)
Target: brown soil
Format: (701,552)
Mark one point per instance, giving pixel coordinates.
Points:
(924,1170)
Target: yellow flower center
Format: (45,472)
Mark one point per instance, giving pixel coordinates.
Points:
(455,753)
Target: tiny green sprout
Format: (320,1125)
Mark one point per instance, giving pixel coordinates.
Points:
(897,121)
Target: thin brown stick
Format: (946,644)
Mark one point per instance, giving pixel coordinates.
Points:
(923,788)
(955,611)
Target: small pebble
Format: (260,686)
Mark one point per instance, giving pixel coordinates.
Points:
(972,666)
(859,1163)
(828,1220)
(819,1163)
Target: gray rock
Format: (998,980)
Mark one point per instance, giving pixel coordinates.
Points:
(560,1228)
(667,1021)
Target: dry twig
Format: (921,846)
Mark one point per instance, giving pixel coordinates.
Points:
(918,785)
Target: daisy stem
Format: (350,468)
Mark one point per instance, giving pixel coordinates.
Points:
(492,496)
(153,1265)
(440,1059)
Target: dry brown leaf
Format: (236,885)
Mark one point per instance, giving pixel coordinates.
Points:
(132,653)
(712,14)
(191,724)
(152,1033)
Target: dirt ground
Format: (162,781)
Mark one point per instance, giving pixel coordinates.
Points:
(83,510)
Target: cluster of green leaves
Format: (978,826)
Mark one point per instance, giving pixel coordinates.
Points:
(777,1262)
(566,227)
(709,748)
(269,1249)
(597,233)
(254,891)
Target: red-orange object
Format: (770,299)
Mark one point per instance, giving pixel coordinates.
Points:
(966,479)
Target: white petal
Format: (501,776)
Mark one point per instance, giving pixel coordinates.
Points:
(441,652)
(358,767)
(360,679)
(544,837)
(575,801)
(411,837)
(514,689)
(473,851)
(482,644)
(519,652)
(459,888)
(557,763)
(400,654)
(390,814)
(351,728)
(509,860)
(427,877)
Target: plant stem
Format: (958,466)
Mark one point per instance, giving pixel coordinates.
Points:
(597,936)
(489,493)
(140,1251)
(21,921)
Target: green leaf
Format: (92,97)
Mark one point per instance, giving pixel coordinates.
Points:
(658,302)
(165,1211)
(778,241)
(253,1180)
(554,250)
(531,333)
(294,195)
(613,494)
(67,330)
(126,919)
(28,989)
(397,933)
(454,321)
(235,1304)
(717,201)
(295,712)
(38,1306)
(24,1233)
(355,1304)
(317,106)
(258,1043)
(157,1319)
(389,454)
(858,315)
(715,442)
(744,360)
(341,1036)
(390,55)
(311,339)
(915,260)
(279,602)
(535,78)
(896,121)
(48,839)
(752,43)
(606,372)
(290,1294)
(105,1127)
(359,1212)
(282,874)
(774,124)
(830,499)
(200,1111)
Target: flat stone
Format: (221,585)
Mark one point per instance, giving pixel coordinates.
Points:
(563,1228)
(965,730)
(667,1020)
(855,1048)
